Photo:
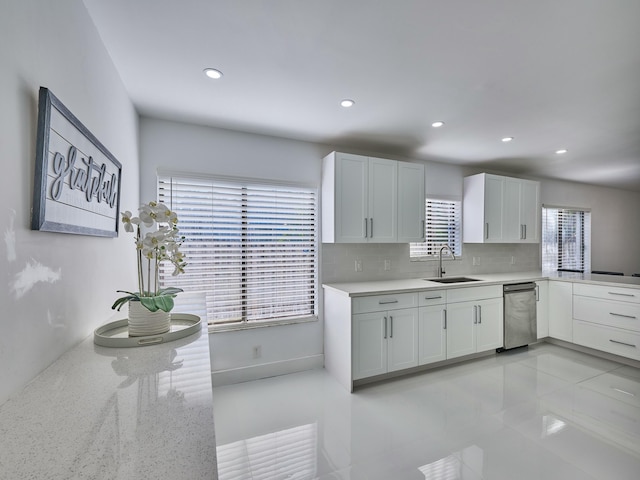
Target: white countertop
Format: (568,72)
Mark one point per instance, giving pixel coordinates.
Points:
(115,413)
(354,289)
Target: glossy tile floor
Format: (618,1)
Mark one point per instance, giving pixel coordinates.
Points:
(539,413)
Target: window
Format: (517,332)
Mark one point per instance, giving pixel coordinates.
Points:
(442,227)
(566,239)
(251,248)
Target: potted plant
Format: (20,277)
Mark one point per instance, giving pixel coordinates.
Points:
(150,306)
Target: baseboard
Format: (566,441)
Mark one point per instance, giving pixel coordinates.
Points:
(266,370)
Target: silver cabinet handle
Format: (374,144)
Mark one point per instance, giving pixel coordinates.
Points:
(622,294)
(385,327)
(424,230)
(444,318)
(366,228)
(622,343)
(433,298)
(380,302)
(391,330)
(487,230)
(475,314)
(537,292)
(479,314)
(525,231)
(371,233)
(521,232)
(622,315)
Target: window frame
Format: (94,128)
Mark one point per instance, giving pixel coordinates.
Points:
(584,235)
(245,182)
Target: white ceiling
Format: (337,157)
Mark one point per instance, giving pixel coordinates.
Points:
(551,73)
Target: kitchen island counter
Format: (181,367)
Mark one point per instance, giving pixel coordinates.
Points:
(116,413)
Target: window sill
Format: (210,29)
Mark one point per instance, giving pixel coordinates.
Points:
(232,327)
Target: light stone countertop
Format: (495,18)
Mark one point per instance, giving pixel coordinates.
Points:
(380,287)
(114,413)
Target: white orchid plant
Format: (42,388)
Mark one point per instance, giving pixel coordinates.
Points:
(157,245)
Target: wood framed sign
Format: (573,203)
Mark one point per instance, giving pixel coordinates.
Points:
(77,180)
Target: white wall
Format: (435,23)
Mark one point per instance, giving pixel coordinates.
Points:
(615,222)
(190,148)
(48,309)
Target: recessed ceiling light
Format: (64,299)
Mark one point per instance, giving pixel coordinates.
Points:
(213,73)
(507,139)
(562,151)
(346,103)
(437,124)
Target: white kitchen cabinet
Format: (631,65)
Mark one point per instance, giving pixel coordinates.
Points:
(432,346)
(367,199)
(475,326)
(607,319)
(384,342)
(561,310)
(498,209)
(542,308)
(521,211)
(411,202)
(490,324)
(382,201)
(482,206)
(461,334)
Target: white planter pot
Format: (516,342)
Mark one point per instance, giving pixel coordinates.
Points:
(142,322)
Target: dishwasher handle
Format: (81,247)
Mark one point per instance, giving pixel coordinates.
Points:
(519,287)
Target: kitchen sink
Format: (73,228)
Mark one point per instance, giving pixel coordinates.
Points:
(452,280)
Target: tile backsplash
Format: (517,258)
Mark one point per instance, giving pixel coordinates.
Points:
(339,261)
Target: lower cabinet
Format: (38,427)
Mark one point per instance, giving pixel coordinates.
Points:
(542,308)
(474,326)
(432,346)
(561,310)
(384,342)
(607,319)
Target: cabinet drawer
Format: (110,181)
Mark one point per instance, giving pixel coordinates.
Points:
(606,292)
(379,303)
(473,293)
(607,339)
(432,297)
(606,312)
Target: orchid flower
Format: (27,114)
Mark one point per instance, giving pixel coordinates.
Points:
(162,244)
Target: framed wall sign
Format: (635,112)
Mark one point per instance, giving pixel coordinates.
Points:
(77,180)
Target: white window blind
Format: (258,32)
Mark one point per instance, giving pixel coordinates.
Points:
(442,227)
(250,248)
(566,239)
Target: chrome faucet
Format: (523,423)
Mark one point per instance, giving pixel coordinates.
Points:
(441,272)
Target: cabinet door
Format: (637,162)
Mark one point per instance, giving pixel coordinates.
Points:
(411,202)
(351,190)
(512,226)
(432,346)
(493,203)
(402,337)
(542,308)
(561,310)
(383,198)
(461,335)
(490,324)
(369,344)
(530,211)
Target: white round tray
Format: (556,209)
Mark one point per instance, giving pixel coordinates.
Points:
(116,334)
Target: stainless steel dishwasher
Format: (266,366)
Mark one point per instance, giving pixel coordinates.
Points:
(520,325)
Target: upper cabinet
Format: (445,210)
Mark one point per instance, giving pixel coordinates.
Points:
(499,209)
(367,199)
